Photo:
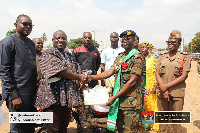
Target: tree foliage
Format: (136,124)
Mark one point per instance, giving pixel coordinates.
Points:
(11,32)
(163,49)
(44,37)
(74,43)
(194,45)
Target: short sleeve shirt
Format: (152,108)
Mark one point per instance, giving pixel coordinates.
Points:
(170,69)
(109,55)
(133,98)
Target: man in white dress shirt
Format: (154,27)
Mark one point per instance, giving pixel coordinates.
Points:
(108,57)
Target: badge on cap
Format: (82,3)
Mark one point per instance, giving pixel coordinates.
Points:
(128,33)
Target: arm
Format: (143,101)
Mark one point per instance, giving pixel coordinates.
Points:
(102,67)
(178,80)
(7,53)
(103,75)
(102,70)
(73,76)
(158,78)
(98,62)
(125,88)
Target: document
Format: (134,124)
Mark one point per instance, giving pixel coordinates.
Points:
(97,96)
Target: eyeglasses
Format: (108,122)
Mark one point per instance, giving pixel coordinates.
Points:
(125,39)
(27,24)
(172,42)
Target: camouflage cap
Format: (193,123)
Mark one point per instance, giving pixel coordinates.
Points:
(175,34)
(127,33)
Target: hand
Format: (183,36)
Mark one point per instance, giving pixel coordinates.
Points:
(17,103)
(89,78)
(82,78)
(154,89)
(111,101)
(164,87)
(166,95)
(84,87)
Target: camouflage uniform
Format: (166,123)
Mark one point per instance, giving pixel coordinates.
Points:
(130,104)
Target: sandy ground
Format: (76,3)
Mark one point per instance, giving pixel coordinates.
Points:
(192,103)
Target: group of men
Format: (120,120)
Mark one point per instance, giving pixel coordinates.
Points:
(28,75)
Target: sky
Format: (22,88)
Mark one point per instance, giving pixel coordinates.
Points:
(152,20)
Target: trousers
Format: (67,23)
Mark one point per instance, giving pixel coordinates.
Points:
(175,105)
(61,117)
(27,106)
(128,121)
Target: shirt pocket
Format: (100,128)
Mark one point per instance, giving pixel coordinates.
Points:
(163,68)
(178,70)
(130,102)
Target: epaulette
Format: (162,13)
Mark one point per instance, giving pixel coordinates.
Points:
(184,53)
(164,53)
(120,53)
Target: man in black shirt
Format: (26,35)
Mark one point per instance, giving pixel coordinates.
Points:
(18,72)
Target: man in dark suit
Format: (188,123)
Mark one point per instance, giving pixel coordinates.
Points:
(18,72)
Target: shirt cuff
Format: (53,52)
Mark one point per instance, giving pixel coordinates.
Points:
(13,95)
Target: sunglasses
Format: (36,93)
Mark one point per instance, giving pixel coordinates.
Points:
(125,39)
(27,24)
(172,42)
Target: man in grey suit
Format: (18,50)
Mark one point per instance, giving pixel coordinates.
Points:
(18,72)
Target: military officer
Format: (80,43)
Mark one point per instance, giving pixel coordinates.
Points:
(171,72)
(127,95)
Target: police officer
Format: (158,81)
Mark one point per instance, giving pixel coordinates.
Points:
(171,72)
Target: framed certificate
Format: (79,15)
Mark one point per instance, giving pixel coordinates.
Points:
(97,96)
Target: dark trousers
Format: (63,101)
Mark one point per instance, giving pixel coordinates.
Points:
(61,116)
(175,105)
(27,106)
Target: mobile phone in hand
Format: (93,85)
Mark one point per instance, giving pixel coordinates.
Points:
(171,98)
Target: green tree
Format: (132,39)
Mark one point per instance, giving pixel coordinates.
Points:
(74,43)
(11,32)
(44,37)
(186,48)
(194,45)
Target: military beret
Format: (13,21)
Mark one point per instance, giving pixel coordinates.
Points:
(127,33)
(175,34)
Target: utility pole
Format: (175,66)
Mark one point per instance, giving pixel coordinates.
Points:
(183,44)
(94,34)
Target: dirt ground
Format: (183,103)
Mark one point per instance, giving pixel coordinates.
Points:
(192,103)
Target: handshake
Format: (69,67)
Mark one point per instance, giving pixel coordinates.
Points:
(85,78)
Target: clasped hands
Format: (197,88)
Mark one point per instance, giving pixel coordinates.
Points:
(166,93)
(84,79)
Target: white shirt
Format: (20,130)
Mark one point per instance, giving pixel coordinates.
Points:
(109,55)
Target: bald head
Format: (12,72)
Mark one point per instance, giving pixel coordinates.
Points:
(59,32)
(87,39)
